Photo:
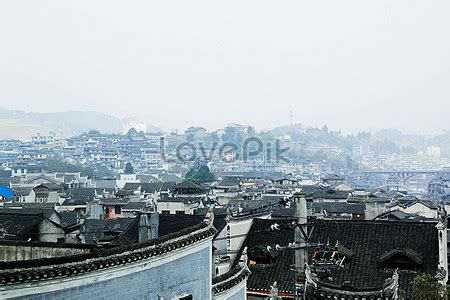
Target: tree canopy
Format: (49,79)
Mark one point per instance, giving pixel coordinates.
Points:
(200,174)
(57,164)
(425,287)
(132,132)
(129,168)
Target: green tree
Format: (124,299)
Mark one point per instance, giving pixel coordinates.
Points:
(426,287)
(129,168)
(57,164)
(200,174)
(366,200)
(132,132)
(385,147)
(251,131)
(190,174)
(93,132)
(229,134)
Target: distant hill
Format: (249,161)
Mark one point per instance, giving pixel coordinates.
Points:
(22,125)
(384,141)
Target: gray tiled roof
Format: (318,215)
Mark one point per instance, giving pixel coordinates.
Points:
(368,240)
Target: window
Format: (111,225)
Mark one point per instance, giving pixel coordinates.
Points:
(117,210)
(188,297)
(259,257)
(260,260)
(179,212)
(407,260)
(165,212)
(401,262)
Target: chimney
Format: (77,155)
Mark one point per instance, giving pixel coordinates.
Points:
(161,148)
(148,226)
(300,239)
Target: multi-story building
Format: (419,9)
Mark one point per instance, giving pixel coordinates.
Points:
(434,151)
(44,139)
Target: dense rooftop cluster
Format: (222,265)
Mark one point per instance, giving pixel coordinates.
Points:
(362,238)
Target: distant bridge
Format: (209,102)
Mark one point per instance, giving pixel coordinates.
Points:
(403,174)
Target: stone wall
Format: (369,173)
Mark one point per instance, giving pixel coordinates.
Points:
(239,292)
(372,210)
(49,232)
(22,252)
(186,273)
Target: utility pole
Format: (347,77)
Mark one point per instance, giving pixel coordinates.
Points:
(300,244)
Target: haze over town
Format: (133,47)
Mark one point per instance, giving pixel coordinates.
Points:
(358,66)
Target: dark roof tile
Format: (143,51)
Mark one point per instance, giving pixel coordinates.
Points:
(368,240)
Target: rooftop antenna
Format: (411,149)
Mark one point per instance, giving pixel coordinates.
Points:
(290,115)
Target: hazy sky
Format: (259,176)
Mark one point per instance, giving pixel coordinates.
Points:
(348,64)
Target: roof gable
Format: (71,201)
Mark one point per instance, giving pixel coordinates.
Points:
(41,178)
(408,253)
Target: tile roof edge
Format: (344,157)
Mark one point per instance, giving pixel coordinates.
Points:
(390,284)
(234,276)
(108,258)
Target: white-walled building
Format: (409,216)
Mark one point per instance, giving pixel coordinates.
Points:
(434,151)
